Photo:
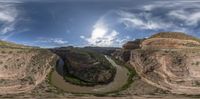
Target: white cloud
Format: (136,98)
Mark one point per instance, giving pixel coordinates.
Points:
(148,7)
(23,1)
(145,21)
(137,22)
(179,16)
(8,18)
(104,34)
(55,41)
(98,33)
(178,4)
(7,29)
(60,41)
(82,37)
(5,37)
(124,40)
(190,18)
(11,1)
(101,37)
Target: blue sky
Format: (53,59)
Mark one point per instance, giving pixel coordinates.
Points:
(53,23)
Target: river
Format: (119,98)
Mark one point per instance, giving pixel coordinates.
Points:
(119,81)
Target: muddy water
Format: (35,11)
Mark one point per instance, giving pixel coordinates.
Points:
(120,79)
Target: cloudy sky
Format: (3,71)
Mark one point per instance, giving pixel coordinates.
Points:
(53,23)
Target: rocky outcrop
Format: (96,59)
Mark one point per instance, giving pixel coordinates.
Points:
(22,69)
(169,63)
(131,45)
(124,53)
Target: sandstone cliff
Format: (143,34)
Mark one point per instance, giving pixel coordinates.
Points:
(124,53)
(22,68)
(170,61)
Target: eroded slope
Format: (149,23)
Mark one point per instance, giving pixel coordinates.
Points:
(169,63)
(23,69)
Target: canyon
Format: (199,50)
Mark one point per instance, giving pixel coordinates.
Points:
(165,65)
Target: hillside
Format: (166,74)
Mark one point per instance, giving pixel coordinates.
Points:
(23,68)
(169,61)
(13,45)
